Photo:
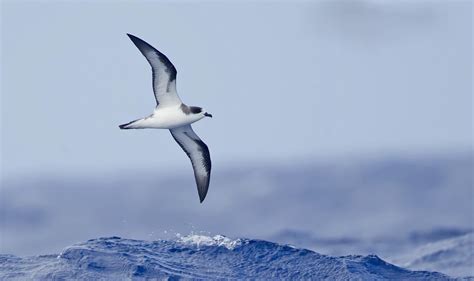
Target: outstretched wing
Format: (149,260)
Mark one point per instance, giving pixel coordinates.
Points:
(164,73)
(198,152)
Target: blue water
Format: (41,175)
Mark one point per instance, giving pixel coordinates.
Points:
(199,257)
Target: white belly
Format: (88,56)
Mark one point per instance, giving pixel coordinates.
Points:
(169,118)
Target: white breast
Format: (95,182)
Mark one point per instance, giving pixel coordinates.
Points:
(170,117)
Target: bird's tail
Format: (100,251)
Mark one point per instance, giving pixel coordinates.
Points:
(129,125)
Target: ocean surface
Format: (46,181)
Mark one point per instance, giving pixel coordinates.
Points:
(199,257)
(360,218)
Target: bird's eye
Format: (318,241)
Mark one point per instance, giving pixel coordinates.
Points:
(195,109)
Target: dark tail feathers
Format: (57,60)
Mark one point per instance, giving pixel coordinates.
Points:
(125,126)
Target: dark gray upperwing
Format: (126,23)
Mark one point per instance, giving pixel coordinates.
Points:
(164,73)
(198,152)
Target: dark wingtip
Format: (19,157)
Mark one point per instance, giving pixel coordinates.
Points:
(134,38)
(202,197)
(137,41)
(142,45)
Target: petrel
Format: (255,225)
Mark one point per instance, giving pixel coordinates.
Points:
(171,113)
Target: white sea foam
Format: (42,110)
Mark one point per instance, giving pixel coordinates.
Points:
(203,240)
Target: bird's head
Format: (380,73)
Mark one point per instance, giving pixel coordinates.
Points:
(196,110)
(204,112)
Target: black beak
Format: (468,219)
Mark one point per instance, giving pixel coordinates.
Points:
(208,115)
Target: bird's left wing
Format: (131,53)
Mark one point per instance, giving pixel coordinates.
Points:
(198,152)
(164,73)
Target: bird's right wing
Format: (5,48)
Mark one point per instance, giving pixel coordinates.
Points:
(198,152)
(164,73)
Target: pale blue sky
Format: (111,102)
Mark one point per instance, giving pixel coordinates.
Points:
(284,81)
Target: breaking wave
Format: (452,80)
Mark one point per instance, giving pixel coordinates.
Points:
(199,257)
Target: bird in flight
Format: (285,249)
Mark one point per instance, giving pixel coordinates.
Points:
(171,113)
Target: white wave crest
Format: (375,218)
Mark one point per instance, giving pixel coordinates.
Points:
(203,240)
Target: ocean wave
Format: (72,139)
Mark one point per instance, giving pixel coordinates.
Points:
(199,257)
(454,256)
